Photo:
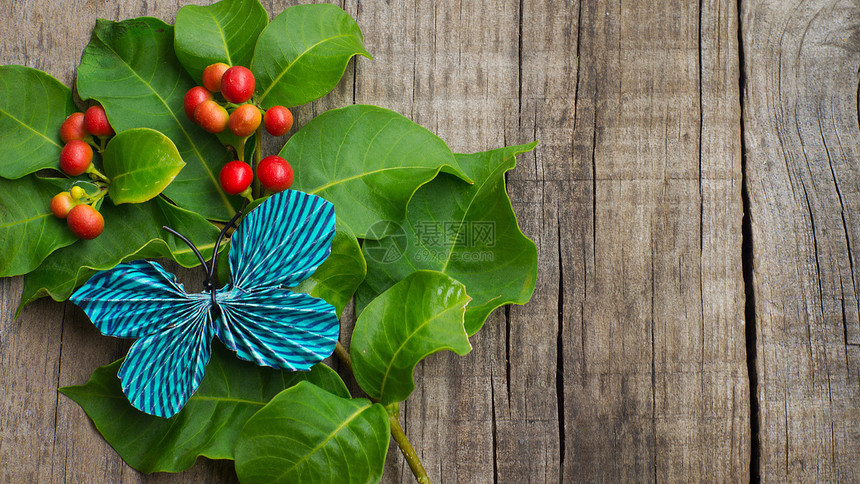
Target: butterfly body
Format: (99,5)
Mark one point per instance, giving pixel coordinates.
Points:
(278,245)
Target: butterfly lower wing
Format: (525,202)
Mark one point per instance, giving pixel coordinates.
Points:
(281,242)
(277,327)
(133,300)
(162,370)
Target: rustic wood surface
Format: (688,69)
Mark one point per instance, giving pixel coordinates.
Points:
(803,179)
(695,203)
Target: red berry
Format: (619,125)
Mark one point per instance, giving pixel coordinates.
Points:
(212,76)
(85,222)
(193,98)
(62,203)
(73,128)
(275,174)
(75,157)
(235,177)
(237,85)
(96,121)
(245,120)
(211,116)
(278,120)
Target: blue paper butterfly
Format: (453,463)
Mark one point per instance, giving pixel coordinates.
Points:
(278,245)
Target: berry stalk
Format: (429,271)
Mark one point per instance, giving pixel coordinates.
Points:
(258,157)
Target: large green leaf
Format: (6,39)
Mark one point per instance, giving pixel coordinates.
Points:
(140,162)
(368,161)
(416,317)
(132,231)
(209,424)
(33,105)
(303,53)
(338,277)
(130,68)
(225,32)
(308,435)
(28,229)
(469,232)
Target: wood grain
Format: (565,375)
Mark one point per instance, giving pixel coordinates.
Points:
(649,223)
(802,139)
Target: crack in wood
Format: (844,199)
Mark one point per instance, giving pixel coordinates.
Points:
(559,374)
(747,264)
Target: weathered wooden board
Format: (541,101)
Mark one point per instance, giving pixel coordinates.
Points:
(803,173)
(630,363)
(649,214)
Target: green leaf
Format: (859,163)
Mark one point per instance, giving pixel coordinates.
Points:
(131,69)
(33,105)
(209,424)
(368,161)
(308,435)
(132,231)
(29,231)
(225,32)
(303,53)
(469,232)
(338,277)
(140,162)
(416,317)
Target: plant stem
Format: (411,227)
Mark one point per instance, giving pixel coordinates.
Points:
(240,153)
(397,432)
(343,355)
(405,447)
(92,170)
(258,156)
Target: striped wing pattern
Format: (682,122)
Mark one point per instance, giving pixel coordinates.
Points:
(282,242)
(276,327)
(141,300)
(134,299)
(162,370)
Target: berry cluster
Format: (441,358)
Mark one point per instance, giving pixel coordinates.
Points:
(78,132)
(236,86)
(76,207)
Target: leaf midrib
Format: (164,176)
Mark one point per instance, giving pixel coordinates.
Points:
(290,65)
(193,145)
(165,167)
(223,37)
(25,221)
(114,396)
(466,212)
(403,345)
(366,173)
(325,441)
(49,140)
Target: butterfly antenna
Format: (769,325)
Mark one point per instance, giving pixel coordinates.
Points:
(221,235)
(193,247)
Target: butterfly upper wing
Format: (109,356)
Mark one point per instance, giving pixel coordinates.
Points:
(281,242)
(134,299)
(141,300)
(277,327)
